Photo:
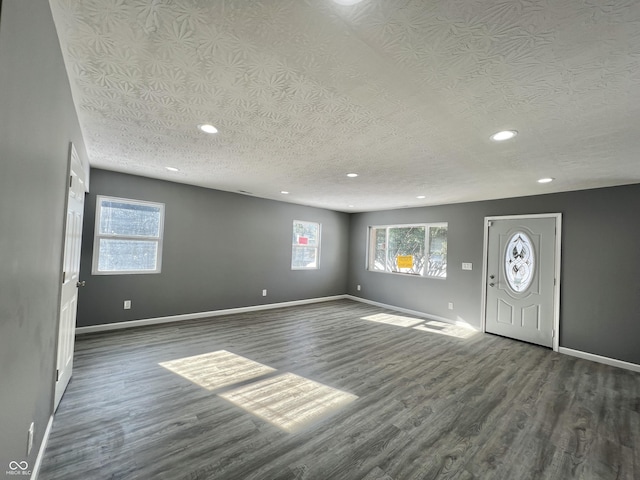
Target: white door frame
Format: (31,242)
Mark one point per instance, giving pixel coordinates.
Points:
(556,287)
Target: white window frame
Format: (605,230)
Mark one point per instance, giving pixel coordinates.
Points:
(97,236)
(317,246)
(371,248)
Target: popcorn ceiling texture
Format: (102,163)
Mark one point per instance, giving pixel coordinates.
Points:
(403,92)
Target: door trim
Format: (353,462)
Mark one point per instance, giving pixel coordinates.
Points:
(556,288)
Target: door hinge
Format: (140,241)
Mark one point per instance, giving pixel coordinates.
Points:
(57,375)
(70,181)
(64,277)
(553,333)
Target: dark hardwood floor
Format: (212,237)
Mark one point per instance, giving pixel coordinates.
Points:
(433,402)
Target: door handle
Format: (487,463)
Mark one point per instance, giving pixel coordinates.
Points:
(492,284)
(81,284)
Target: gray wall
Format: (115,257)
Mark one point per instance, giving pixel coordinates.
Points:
(600,284)
(37,122)
(220,251)
(205,231)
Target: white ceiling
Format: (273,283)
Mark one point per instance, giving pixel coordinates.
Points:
(403,92)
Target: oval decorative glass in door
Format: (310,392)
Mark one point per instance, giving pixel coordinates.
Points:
(520,262)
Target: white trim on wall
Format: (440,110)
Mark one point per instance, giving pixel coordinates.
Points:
(563,350)
(600,359)
(230,311)
(43,447)
(194,316)
(411,312)
(217,313)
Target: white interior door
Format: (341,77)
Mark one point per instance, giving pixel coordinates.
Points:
(521,278)
(71,275)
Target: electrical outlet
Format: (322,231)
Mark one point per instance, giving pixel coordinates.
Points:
(127,304)
(358,288)
(450,305)
(264,292)
(30,432)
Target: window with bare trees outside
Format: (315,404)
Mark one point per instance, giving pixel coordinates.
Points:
(419,249)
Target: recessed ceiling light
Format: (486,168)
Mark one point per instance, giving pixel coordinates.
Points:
(208,128)
(347,3)
(172,169)
(503,135)
(284,192)
(350,206)
(352,175)
(546,180)
(421,197)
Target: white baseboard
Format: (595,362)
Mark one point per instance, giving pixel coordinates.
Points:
(194,316)
(411,312)
(43,447)
(230,311)
(597,358)
(567,351)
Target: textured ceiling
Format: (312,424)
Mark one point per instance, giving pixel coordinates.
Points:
(403,92)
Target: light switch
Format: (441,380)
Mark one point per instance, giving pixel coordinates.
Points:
(467,266)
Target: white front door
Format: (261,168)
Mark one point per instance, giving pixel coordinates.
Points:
(71,275)
(521,276)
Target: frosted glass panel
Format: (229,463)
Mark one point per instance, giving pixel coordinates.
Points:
(128,237)
(131,219)
(127,255)
(519,262)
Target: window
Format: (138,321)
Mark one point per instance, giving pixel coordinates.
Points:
(128,236)
(305,254)
(410,249)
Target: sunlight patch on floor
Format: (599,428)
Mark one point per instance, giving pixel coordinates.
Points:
(449,329)
(397,320)
(431,326)
(288,401)
(217,369)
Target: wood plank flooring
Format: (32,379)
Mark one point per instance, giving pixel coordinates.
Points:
(431,403)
